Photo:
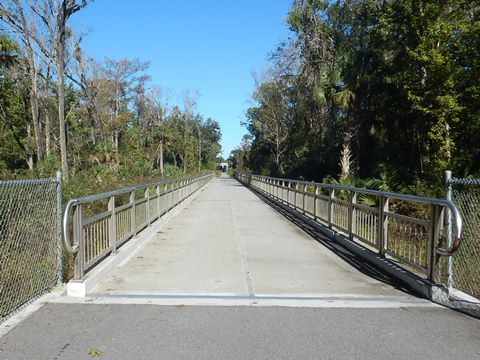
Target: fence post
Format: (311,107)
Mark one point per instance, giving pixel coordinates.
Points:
(133,215)
(79,257)
(112,228)
(434,234)
(315,196)
(59,228)
(383,204)
(351,214)
(448,220)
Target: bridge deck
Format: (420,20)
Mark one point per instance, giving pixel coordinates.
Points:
(228,242)
(231,248)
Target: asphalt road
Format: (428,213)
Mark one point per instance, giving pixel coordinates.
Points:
(68,331)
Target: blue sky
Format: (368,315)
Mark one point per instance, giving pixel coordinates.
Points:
(211,46)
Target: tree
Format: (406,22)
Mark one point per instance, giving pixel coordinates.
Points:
(16,150)
(152,110)
(124,77)
(55,15)
(15,16)
(371,85)
(189,100)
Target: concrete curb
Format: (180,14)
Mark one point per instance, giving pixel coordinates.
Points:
(80,288)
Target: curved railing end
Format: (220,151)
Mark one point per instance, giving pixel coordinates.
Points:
(72,249)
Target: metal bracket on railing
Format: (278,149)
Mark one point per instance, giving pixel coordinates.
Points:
(458,226)
(68,208)
(451,250)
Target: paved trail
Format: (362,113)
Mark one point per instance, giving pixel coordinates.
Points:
(228,242)
(273,292)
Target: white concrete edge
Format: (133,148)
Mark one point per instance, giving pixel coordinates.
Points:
(460,295)
(81,288)
(257,296)
(260,302)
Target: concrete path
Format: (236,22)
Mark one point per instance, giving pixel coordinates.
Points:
(273,292)
(229,243)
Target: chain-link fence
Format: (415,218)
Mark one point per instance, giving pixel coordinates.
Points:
(30,248)
(465,264)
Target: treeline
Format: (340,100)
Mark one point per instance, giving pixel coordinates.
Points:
(387,90)
(62,109)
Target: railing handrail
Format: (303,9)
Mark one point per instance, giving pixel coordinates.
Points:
(107,194)
(73,249)
(457,218)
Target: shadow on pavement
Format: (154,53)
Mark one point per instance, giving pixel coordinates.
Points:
(350,258)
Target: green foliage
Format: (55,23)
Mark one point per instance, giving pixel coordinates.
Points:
(386,180)
(118,130)
(394,83)
(172,171)
(9,50)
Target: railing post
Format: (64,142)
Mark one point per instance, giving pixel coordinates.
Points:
(157,191)
(112,228)
(79,257)
(133,215)
(296,192)
(175,193)
(434,235)
(352,214)
(147,195)
(305,188)
(166,198)
(382,225)
(331,196)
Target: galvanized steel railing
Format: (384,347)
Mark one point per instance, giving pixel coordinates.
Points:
(103,222)
(407,228)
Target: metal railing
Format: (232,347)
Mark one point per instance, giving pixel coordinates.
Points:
(103,222)
(405,227)
(30,240)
